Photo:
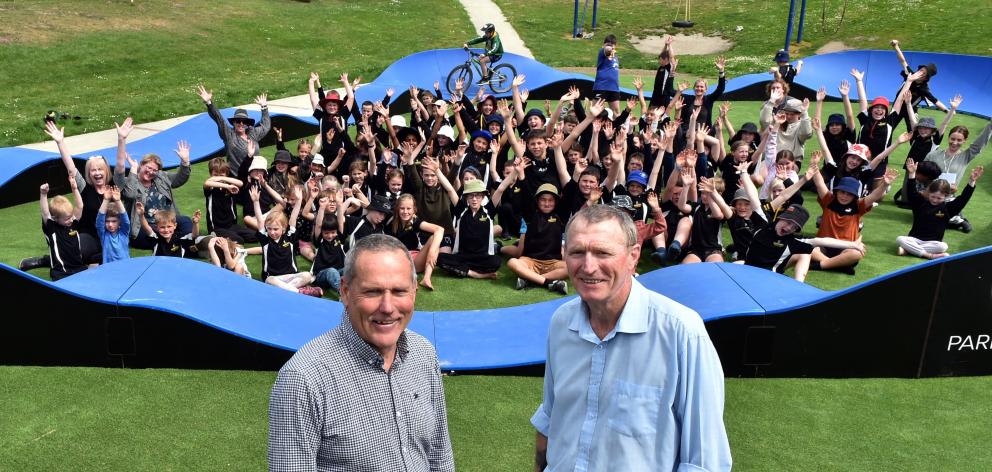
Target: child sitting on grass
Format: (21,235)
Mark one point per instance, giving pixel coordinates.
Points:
(220,193)
(168,242)
(328,262)
(60,223)
(931,212)
(278,241)
(228,254)
(109,221)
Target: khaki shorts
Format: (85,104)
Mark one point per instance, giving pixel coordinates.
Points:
(543,266)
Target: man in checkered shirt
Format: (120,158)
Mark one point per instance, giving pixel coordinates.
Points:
(366,395)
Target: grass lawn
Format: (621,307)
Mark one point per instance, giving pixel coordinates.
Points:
(105,59)
(546,27)
(107,419)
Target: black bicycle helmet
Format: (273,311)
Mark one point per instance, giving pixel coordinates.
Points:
(489,28)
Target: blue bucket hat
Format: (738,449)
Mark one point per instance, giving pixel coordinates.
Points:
(537,113)
(836,119)
(494,118)
(481,133)
(849,185)
(638,176)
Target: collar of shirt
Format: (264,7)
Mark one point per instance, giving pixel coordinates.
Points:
(633,318)
(364,351)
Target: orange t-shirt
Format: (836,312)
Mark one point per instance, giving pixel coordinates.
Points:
(841,221)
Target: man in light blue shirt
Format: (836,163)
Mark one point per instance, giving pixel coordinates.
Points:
(632,381)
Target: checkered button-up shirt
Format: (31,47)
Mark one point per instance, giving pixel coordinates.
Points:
(333,407)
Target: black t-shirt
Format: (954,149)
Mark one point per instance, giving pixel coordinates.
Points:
(542,171)
(929,221)
(863,174)
(92,200)
(705,230)
(731,179)
(876,135)
(474,233)
(639,212)
(480,161)
(63,247)
(356,228)
(770,251)
(544,235)
(329,254)
(839,144)
(278,256)
(788,73)
(220,208)
(920,147)
(176,246)
(572,199)
(408,234)
(742,231)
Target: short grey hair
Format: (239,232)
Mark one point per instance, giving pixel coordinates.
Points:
(376,243)
(599,213)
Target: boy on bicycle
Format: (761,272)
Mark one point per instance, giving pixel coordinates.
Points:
(493,52)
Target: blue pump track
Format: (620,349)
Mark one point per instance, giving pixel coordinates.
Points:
(161,312)
(170,312)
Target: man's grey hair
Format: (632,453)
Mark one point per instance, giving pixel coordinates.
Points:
(591,215)
(375,243)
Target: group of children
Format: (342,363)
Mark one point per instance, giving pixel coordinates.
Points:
(445,183)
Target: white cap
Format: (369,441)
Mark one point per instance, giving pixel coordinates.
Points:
(258,162)
(447,131)
(398,121)
(317,159)
(609,113)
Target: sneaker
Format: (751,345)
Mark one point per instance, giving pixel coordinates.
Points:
(559,286)
(483,81)
(29,263)
(521,284)
(659,256)
(674,251)
(965,225)
(312,291)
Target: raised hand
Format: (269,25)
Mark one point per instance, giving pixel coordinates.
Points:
(702,131)
(354,83)
(504,110)
(262,100)
(608,130)
(183,152)
(805,105)
(894,43)
(858,75)
(57,134)
(524,94)
(72,181)
(905,137)
(816,123)
(916,75)
(519,80)
(115,193)
(278,133)
(638,83)
(844,88)
(780,118)
(976,173)
(573,93)
(390,92)
(721,63)
(675,64)
(811,171)
(821,94)
(314,77)
(459,85)
(890,176)
(437,85)
(815,158)
(910,166)
(595,194)
(206,95)
(683,86)
(690,157)
(124,129)
(254,193)
(595,108)
(196,216)
(956,102)
(139,207)
(344,79)
(724,108)
(250,146)
(776,95)
(652,200)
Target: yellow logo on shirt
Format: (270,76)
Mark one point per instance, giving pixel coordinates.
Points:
(72,232)
(483,218)
(552,219)
(175,248)
(285,244)
(939,214)
(778,244)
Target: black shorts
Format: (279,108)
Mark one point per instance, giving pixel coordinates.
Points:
(833,252)
(493,58)
(448,241)
(702,254)
(608,96)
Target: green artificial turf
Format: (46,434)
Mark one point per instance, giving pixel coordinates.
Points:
(163,419)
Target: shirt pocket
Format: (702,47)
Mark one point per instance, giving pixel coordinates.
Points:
(634,408)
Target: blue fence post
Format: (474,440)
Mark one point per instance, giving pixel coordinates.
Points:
(595,7)
(802,20)
(788,29)
(575,20)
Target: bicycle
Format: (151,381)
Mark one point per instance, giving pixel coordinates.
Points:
(500,76)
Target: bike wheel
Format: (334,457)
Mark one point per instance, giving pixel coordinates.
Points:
(501,78)
(462,72)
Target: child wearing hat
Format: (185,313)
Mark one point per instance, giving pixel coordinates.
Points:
(877,121)
(474,252)
(540,262)
(842,213)
(857,162)
(837,130)
(926,136)
(784,69)
(920,87)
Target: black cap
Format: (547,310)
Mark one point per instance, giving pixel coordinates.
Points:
(795,213)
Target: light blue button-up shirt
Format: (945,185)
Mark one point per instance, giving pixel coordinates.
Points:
(648,397)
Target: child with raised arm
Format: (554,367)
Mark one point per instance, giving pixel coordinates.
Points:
(278,240)
(708,215)
(931,213)
(111,217)
(474,252)
(168,241)
(842,212)
(220,192)
(328,262)
(227,254)
(421,238)
(784,70)
(60,223)
(664,78)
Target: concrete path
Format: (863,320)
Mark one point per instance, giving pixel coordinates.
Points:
(479,11)
(485,11)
